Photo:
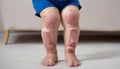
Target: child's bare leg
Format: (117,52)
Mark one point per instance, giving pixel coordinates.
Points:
(51,21)
(70,17)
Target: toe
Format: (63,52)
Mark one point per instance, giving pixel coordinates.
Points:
(51,63)
(70,64)
(76,63)
(44,63)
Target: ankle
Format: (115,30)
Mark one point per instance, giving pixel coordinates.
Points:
(53,52)
(70,47)
(69,50)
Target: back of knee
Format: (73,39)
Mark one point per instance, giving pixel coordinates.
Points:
(72,17)
(51,21)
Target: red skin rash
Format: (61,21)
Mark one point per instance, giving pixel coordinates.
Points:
(73,38)
(48,40)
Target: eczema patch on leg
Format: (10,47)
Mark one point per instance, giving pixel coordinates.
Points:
(47,38)
(73,38)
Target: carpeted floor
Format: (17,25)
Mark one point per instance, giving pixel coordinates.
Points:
(25,51)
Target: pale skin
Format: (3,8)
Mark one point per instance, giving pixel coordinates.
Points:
(69,18)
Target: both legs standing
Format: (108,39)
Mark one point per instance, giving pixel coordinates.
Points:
(51,20)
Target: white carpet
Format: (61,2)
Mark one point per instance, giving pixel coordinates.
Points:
(25,51)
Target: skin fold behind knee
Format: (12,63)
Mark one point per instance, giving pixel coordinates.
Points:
(71,17)
(51,21)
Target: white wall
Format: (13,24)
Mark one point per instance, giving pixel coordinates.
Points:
(96,15)
(100,15)
(1,26)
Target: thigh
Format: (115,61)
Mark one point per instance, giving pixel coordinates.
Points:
(42,5)
(69,8)
(49,11)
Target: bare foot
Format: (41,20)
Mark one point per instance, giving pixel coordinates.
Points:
(72,60)
(50,60)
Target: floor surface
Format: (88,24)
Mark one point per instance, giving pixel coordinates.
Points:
(25,51)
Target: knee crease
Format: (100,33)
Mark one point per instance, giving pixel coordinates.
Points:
(72,17)
(51,21)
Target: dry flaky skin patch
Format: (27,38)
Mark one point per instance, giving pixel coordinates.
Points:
(47,39)
(71,38)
